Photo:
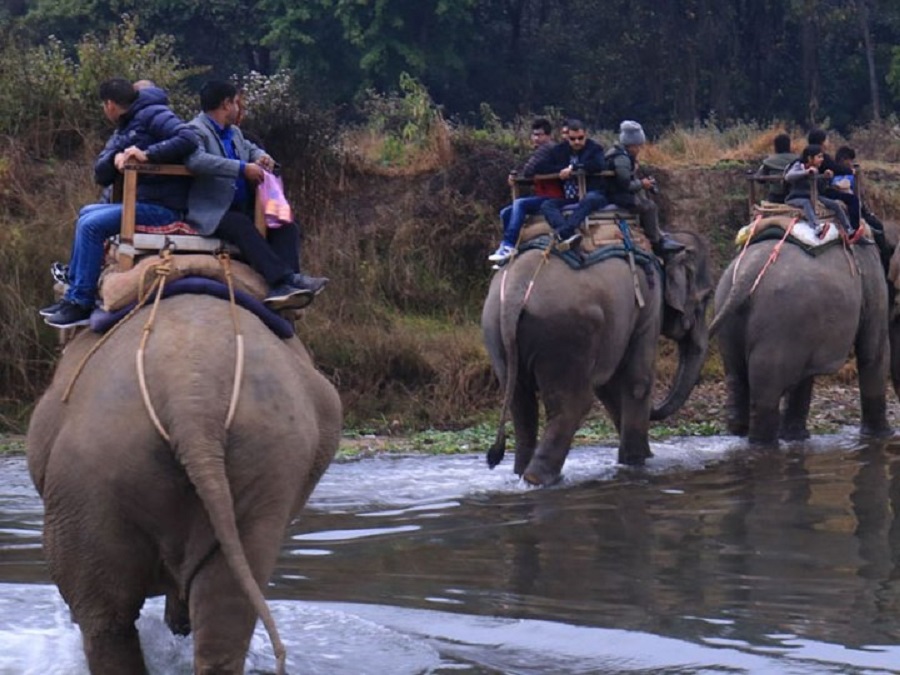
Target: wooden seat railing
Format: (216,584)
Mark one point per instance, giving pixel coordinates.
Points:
(517,181)
(133,244)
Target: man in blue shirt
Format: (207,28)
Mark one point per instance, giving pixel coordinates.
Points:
(227,169)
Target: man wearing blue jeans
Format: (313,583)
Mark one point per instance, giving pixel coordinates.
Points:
(146,131)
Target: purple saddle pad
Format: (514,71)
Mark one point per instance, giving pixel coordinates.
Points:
(102,321)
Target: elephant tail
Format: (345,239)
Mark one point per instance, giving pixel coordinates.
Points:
(206,471)
(510,311)
(741,288)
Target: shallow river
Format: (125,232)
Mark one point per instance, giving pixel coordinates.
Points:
(714,559)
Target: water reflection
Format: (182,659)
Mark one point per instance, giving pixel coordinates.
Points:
(714,555)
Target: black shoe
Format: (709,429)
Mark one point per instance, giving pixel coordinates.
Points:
(667,245)
(564,243)
(49,310)
(314,284)
(288,296)
(71,314)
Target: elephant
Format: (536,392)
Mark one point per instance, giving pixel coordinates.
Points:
(804,317)
(570,335)
(200,517)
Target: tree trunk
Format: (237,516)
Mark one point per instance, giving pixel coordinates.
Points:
(863,14)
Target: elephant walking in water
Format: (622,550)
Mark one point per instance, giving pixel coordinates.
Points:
(570,336)
(804,318)
(200,517)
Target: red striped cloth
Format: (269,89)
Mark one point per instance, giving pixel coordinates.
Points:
(177,227)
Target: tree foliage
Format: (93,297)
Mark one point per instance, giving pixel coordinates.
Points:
(661,62)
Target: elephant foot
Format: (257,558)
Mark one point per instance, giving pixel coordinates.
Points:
(539,475)
(177,615)
(794,434)
(876,431)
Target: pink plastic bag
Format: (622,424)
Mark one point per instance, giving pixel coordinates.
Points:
(275,206)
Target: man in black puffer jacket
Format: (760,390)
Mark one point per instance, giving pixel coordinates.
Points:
(575,153)
(146,131)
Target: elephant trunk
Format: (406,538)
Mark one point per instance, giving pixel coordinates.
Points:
(691,355)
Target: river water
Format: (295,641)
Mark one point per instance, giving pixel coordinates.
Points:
(713,559)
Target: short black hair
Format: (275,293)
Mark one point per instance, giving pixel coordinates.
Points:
(782,143)
(816,136)
(118,90)
(844,152)
(543,124)
(214,92)
(575,124)
(810,151)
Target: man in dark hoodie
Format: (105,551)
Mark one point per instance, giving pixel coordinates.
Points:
(774,165)
(575,153)
(146,131)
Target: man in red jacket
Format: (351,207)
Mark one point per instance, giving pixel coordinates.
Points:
(513,215)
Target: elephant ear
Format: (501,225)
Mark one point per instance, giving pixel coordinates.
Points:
(688,287)
(676,293)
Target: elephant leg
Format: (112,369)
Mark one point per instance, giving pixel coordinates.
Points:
(222,617)
(765,397)
(525,420)
(610,400)
(796,411)
(565,412)
(634,425)
(737,404)
(177,615)
(104,589)
(873,365)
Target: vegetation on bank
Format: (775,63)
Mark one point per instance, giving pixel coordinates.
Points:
(398,208)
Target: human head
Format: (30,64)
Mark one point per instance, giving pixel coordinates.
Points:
(117,95)
(812,155)
(845,155)
(631,137)
(782,143)
(817,136)
(218,100)
(576,134)
(540,131)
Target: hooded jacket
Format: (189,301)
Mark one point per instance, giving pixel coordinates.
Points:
(151,125)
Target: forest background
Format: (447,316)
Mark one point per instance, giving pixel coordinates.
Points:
(396,122)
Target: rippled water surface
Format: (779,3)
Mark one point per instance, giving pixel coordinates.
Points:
(714,559)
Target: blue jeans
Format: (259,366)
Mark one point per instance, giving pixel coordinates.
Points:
(564,227)
(95,224)
(513,216)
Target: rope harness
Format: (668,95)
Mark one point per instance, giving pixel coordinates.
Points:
(161,272)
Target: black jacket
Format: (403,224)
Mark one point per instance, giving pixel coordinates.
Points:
(590,160)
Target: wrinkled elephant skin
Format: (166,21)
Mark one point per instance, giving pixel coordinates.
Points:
(578,336)
(129,515)
(804,319)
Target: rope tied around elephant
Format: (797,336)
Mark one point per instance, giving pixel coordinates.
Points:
(146,290)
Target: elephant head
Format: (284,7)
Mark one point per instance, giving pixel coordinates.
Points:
(687,294)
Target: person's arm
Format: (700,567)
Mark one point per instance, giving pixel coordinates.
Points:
(795,171)
(105,165)
(536,158)
(553,162)
(592,160)
(176,140)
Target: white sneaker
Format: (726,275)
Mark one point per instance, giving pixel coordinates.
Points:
(503,252)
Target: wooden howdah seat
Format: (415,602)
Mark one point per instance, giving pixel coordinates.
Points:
(822,211)
(136,240)
(596,221)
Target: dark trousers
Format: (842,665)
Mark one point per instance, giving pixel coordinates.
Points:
(648,213)
(275,256)
(566,226)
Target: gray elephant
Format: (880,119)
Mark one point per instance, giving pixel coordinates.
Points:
(804,318)
(199,518)
(570,335)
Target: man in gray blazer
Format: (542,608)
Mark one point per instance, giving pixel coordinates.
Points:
(227,168)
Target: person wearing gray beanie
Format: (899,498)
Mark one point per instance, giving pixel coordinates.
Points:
(631,133)
(626,189)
